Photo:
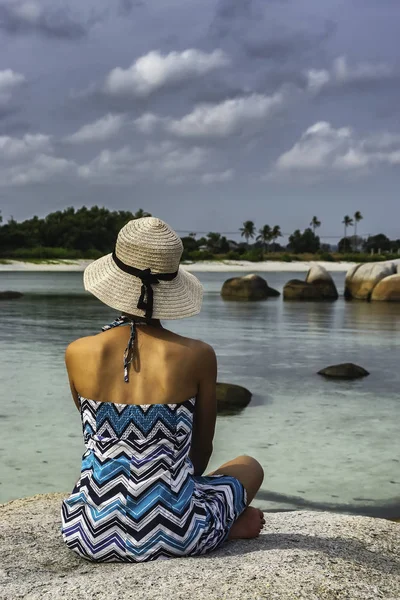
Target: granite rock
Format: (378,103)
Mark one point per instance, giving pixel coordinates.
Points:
(387,290)
(318,285)
(249,287)
(362,279)
(310,555)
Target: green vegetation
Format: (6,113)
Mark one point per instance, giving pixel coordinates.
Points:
(67,234)
(91,232)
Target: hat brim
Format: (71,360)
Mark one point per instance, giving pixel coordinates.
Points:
(182,297)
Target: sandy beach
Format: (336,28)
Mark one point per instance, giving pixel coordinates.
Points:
(203,266)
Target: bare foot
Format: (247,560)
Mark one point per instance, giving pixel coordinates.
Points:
(248,525)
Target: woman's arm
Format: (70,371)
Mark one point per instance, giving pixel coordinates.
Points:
(69,363)
(205,410)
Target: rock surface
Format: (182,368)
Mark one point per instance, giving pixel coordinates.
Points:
(318,285)
(232,397)
(344,371)
(387,290)
(362,279)
(315,556)
(249,287)
(9,295)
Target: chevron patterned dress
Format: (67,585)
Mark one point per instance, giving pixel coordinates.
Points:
(137,498)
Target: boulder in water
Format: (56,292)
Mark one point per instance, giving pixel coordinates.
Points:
(344,371)
(9,295)
(231,398)
(362,279)
(318,285)
(387,290)
(249,287)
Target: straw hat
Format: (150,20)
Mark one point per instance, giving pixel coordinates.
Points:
(142,276)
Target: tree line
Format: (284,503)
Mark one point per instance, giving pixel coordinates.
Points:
(269,234)
(84,232)
(91,232)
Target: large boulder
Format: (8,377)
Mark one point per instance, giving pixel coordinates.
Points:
(318,285)
(232,398)
(9,295)
(362,279)
(249,287)
(312,555)
(387,290)
(344,371)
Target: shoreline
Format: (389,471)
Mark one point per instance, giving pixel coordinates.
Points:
(199,267)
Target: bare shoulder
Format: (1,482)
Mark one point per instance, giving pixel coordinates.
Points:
(205,350)
(78,347)
(203,353)
(196,346)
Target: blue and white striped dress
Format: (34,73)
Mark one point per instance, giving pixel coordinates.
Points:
(137,498)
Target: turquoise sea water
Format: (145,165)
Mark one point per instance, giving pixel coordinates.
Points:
(323,444)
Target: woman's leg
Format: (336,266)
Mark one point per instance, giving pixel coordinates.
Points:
(251,474)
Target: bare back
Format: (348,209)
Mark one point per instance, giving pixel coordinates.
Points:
(165,369)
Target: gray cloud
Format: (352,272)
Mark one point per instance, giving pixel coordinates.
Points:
(11,128)
(230,16)
(214,90)
(230,10)
(351,77)
(288,45)
(23,17)
(149,129)
(125,7)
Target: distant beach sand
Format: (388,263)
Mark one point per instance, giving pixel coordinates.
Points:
(203,266)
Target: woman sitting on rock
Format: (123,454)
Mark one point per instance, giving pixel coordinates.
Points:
(147,399)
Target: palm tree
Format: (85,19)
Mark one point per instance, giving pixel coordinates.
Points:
(276,232)
(347,222)
(315,223)
(248,230)
(264,235)
(357,218)
(213,241)
(139,214)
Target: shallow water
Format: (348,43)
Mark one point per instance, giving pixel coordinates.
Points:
(323,444)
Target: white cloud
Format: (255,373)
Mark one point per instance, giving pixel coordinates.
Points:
(40,169)
(165,162)
(217,177)
(353,159)
(382,141)
(9,81)
(317,79)
(323,150)
(50,19)
(147,123)
(155,70)
(227,118)
(30,159)
(28,11)
(108,163)
(100,131)
(12,148)
(341,74)
(316,148)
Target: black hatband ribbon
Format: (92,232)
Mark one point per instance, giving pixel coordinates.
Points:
(148,280)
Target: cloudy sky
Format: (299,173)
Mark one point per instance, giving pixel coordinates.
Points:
(203,112)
